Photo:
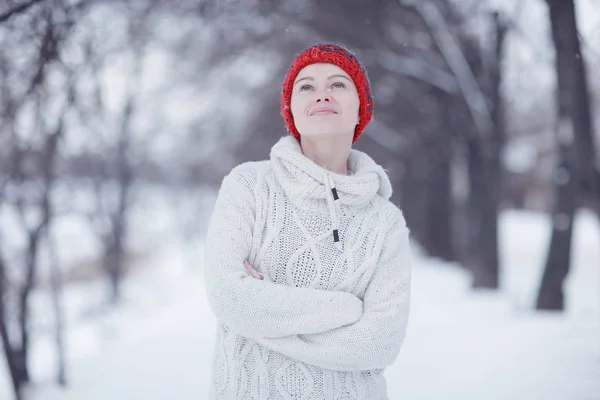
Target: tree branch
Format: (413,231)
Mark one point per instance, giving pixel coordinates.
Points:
(457,62)
(417,69)
(386,137)
(19,9)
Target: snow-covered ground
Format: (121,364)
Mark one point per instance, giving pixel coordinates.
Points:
(460,345)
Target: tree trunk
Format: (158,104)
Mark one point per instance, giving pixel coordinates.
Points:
(116,251)
(22,354)
(439,210)
(9,352)
(9,355)
(56,283)
(483,226)
(414,201)
(573,130)
(550,295)
(113,266)
(588,163)
(17,355)
(483,218)
(438,213)
(486,177)
(119,223)
(491,174)
(20,364)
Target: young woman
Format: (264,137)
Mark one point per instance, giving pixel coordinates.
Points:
(307,260)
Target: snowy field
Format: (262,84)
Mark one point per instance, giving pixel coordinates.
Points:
(460,345)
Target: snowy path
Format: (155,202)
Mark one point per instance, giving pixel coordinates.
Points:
(459,347)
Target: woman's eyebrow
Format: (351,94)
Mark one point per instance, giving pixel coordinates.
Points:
(306,77)
(339,76)
(329,78)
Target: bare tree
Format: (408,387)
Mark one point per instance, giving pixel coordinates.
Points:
(21,8)
(479,84)
(30,174)
(485,168)
(17,351)
(575,164)
(114,155)
(56,283)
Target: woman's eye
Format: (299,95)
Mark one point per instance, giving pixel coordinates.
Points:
(305,87)
(338,85)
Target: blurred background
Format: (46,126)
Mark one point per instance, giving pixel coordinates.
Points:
(118,121)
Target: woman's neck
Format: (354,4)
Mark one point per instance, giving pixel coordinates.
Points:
(328,153)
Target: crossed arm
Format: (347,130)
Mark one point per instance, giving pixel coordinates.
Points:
(330,329)
(259,308)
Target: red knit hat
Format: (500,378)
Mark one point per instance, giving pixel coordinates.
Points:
(336,55)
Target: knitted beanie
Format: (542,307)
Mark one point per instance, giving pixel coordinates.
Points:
(341,57)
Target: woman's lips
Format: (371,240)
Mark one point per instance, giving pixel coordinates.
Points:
(323,111)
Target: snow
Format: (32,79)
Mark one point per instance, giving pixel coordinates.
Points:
(461,344)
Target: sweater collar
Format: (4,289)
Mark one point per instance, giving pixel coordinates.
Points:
(303,180)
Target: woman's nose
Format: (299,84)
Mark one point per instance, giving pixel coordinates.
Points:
(323,97)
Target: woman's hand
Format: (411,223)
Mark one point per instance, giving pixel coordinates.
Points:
(251,271)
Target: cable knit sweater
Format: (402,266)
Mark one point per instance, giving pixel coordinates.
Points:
(331,313)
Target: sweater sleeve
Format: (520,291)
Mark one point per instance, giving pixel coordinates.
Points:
(374,341)
(260,308)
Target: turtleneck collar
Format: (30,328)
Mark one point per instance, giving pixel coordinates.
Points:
(308,185)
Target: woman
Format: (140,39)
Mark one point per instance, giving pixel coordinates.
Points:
(307,267)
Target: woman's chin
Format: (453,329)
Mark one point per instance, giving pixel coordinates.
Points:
(324,134)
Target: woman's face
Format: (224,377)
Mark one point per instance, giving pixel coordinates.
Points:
(324,101)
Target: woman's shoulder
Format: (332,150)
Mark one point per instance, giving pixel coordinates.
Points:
(249,172)
(393,214)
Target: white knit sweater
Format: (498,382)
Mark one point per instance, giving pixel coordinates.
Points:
(330,315)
